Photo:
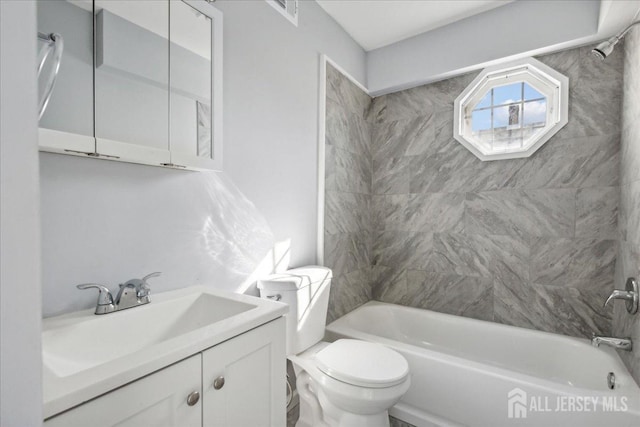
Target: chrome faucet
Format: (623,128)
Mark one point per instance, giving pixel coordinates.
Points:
(629,295)
(619,343)
(132,293)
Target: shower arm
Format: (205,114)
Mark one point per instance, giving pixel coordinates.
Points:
(622,33)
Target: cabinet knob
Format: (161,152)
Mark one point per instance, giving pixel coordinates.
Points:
(193,398)
(218,383)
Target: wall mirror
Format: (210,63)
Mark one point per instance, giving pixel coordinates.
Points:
(192,98)
(132,78)
(70,107)
(143,84)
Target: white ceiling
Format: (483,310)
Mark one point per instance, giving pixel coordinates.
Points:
(377,23)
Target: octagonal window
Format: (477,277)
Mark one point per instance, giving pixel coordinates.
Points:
(512,110)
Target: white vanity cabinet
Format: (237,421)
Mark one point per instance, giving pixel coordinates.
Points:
(159,399)
(250,389)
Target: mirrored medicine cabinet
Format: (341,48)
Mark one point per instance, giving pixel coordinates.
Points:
(139,81)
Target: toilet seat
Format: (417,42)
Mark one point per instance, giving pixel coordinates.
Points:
(362,364)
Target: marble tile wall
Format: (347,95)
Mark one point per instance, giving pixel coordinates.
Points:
(347,233)
(526,242)
(628,265)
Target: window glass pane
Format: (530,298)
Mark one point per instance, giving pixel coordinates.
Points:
(535,113)
(514,115)
(485,137)
(500,117)
(507,139)
(531,93)
(481,120)
(507,94)
(484,102)
(529,132)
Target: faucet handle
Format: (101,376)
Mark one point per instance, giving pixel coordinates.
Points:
(144,289)
(105,299)
(618,294)
(104,296)
(630,295)
(149,276)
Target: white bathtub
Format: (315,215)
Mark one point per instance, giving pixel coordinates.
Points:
(462,371)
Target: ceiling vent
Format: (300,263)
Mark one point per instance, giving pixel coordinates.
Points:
(287,8)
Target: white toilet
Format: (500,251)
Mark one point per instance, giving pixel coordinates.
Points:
(346,383)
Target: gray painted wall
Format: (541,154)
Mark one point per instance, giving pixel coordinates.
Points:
(271,99)
(526,242)
(20,357)
(628,265)
(105,221)
(347,234)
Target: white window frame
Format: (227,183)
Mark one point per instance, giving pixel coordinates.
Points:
(290,11)
(550,83)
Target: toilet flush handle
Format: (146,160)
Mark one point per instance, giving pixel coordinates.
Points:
(276,297)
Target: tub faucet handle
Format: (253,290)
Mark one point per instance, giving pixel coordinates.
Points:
(629,295)
(618,294)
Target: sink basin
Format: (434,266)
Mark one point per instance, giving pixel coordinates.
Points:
(83,345)
(85,355)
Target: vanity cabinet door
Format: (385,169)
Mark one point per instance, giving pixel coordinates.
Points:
(159,399)
(244,379)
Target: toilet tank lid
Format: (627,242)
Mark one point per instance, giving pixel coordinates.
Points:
(295,279)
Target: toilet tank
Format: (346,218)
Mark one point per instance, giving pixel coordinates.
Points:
(306,291)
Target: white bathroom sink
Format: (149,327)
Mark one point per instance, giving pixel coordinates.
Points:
(99,339)
(85,355)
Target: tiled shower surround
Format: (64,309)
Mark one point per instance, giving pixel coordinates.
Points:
(413,218)
(628,264)
(348,232)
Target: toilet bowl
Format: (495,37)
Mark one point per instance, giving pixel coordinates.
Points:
(349,383)
(345,383)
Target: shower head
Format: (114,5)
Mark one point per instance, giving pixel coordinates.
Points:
(605,48)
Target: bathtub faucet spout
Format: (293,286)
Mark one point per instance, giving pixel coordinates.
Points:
(619,343)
